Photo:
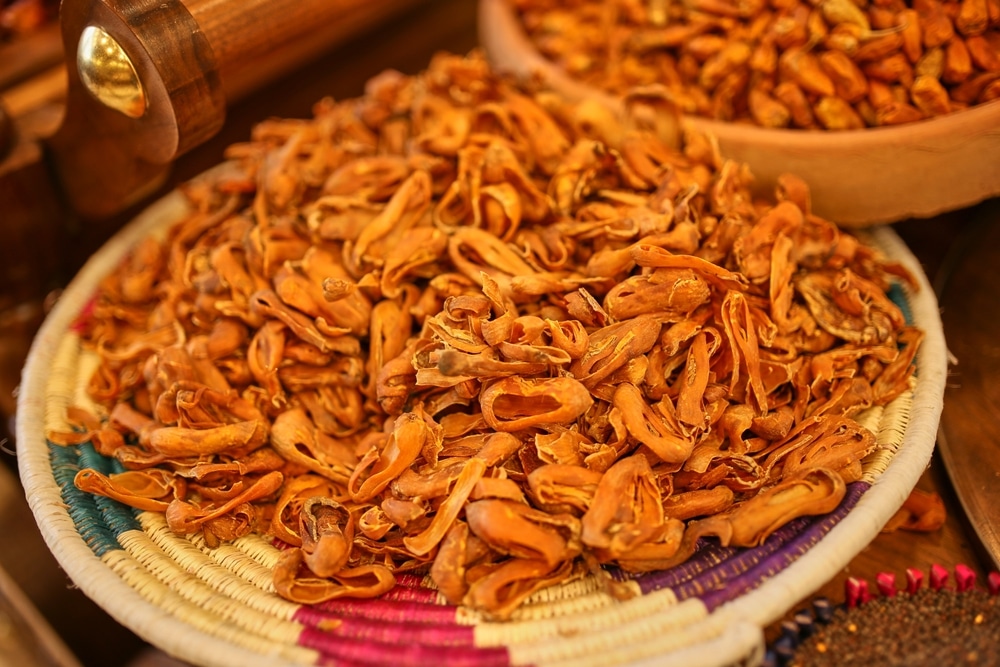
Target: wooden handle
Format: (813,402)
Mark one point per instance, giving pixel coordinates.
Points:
(257,41)
(240,31)
(105,159)
(183,54)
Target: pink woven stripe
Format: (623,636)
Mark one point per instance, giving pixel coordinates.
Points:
(403,593)
(84,316)
(392,611)
(367,629)
(343,651)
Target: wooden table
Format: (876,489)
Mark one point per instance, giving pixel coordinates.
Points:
(407,44)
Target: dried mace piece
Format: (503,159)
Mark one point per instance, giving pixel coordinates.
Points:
(327,530)
(748,523)
(460,329)
(513,404)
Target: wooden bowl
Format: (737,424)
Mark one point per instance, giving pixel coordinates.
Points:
(857,177)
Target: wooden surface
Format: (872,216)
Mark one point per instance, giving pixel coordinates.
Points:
(26,638)
(30,55)
(407,43)
(104,159)
(970,429)
(257,41)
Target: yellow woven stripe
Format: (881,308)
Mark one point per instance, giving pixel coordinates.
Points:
(618,640)
(574,622)
(538,612)
(871,418)
(259,549)
(229,556)
(196,608)
(240,578)
(214,590)
(579,595)
(585,586)
(892,427)
(61,384)
(87,364)
(647,639)
(232,557)
(889,434)
(72,368)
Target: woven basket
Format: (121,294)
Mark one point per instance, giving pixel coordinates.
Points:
(217,606)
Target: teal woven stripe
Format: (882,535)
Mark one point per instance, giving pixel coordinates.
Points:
(81,506)
(898,297)
(117,517)
(89,458)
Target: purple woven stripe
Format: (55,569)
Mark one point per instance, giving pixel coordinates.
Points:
(390,611)
(721,565)
(740,562)
(430,634)
(708,555)
(693,576)
(788,554)
(343,651)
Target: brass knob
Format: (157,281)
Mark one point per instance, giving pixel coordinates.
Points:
(108,73)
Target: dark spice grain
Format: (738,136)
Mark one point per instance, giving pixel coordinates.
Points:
(934,628)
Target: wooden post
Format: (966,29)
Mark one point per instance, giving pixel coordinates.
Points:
(104,159)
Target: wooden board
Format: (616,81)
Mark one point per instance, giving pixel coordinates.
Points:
(969,440)
(26,638)
(30,54)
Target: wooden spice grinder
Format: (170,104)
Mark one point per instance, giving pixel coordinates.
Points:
(150,79)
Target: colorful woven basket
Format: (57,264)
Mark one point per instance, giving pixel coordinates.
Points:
(217,606)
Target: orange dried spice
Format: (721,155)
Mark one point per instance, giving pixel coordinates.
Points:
(460,328)
(804,64)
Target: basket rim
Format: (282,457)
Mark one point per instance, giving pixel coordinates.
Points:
(758,607)
(845,540)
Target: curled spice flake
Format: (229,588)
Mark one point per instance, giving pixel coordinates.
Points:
(461,329)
